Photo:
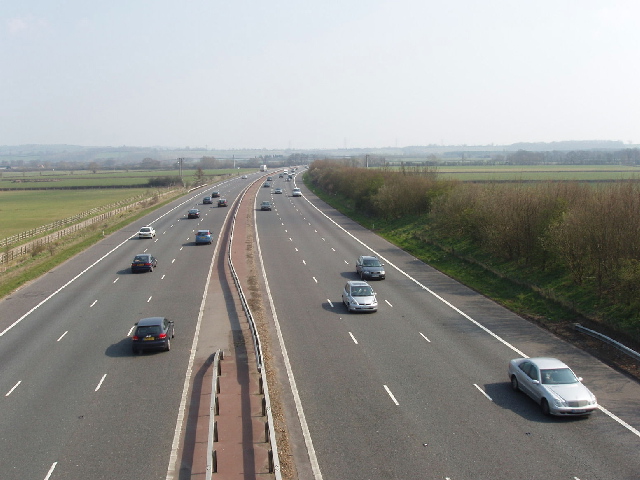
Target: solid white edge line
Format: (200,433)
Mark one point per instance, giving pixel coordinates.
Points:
(313,459)
(483,392)
(391,395)
(619,420)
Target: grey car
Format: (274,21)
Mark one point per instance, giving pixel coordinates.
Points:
(553,385)
(370,267)
(358,296)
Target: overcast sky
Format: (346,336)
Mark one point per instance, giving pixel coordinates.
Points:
(318,73)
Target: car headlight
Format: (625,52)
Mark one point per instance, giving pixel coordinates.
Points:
(557,400)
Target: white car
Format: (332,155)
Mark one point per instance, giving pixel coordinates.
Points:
(296,192)
(244,177)
(147,232)
(358,296)
(552,385)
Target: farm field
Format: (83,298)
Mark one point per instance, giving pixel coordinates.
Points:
(587,173)
(23,210)
(107,178)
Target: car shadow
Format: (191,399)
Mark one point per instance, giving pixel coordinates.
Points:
(521,404)
(125,271)
(120,349)
(350,275)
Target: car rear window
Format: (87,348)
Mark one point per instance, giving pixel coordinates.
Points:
(144,330)
(141,258)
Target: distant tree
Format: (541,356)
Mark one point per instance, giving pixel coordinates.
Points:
(150,163)
(94,166)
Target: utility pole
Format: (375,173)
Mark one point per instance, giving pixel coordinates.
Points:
(180,160)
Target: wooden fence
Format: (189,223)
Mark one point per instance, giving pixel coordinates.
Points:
(10,254)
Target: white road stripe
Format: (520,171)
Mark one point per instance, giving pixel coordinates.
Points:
(387,302)
(53,467)
(483,392)
(62,336)
(353,338)
(391,395)
(116,279)
(425,337)
(100,383)
(149,298)
(14,387)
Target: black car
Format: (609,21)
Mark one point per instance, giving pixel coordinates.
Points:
(222,202)
(215,194)
(144,262)
(193,213)
(207,200)
(368,266)
(152,333)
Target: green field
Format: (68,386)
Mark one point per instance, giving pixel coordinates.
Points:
(591,173)
(23,210)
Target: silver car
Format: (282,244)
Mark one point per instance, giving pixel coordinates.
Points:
(359,297)
(553,385)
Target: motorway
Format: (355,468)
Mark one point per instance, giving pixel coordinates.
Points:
(76,403)
(418,390)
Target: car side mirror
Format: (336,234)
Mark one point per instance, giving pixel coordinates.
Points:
(579,379)
(536,382)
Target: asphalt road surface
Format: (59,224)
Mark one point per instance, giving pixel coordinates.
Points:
(419,390)
(76,403)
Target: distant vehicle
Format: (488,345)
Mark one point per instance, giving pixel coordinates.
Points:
(193,213)
(285,171)
(296,192)
(369,267)
(147,232)
(280,176)
(277,190)
(222,202)
(267,185)
(244,177)
(152,333)
(143,262)
(207,200)
(265,205)
(358,296)
(203,236)
(269,179)
(553,385)
(215,194)
(263,168)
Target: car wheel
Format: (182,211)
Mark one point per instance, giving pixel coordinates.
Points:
(150,269)
(514,383)
(362,276)
(168,347)
(544,405)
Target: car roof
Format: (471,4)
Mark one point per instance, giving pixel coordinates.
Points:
(357,283)
(143,255)
(204,231)
(545,363)
(150,321)
(369,257)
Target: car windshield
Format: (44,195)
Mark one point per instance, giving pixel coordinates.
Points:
(363,291)
(372,262)
(558,376)
(146,330)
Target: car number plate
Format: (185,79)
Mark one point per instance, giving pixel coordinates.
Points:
(149,338)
